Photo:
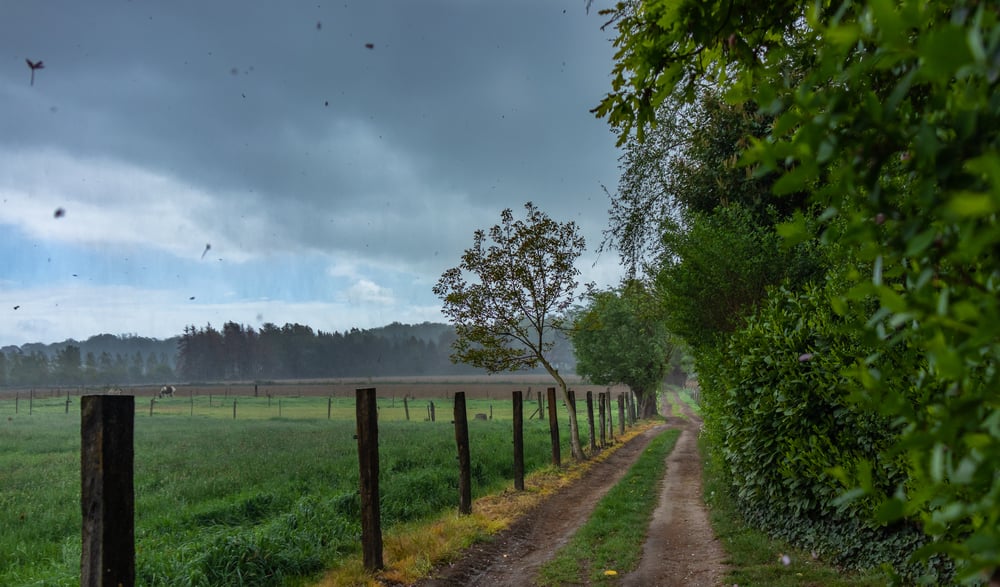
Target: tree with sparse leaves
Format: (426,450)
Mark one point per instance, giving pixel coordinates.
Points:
(525,279)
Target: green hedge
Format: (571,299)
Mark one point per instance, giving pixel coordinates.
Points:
(781,410)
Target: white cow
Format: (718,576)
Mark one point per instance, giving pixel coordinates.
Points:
(167,391)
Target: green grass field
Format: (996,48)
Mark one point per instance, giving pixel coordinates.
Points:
(256,500)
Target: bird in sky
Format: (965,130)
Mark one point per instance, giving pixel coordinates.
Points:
(34,65)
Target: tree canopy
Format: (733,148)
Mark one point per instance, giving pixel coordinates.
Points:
(524,283)
(621,338)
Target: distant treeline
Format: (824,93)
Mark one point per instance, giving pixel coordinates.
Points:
(294,351)
(241,353)
(101,360)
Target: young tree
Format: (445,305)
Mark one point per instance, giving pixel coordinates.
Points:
(526,281)
(621,339)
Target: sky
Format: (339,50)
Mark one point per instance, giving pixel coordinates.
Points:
(190,163)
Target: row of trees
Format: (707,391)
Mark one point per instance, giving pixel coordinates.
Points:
(68,367)
(812,196)
(240,352)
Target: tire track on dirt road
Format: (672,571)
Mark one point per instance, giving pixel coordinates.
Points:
(681,549)
(513,557)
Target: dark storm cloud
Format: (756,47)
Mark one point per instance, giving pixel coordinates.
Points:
(307,137)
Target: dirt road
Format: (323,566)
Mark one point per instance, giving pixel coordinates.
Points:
(680,547)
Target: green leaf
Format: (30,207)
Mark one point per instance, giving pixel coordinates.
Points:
(973,205)
(795,180)
(943,52)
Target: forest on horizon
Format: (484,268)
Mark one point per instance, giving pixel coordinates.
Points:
(238,352)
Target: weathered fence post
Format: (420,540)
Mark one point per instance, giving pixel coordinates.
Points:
(541,406)
(572,403)
(464,464)
(371,523)
(611,419)
(554,426)
(234,408)
(518,441)
(192,403)
(107,496)
(590,421)
(602,408)
(67,401)
(152,401)
(406,408)
(433,413)
(329,406)
(31,402)
(621,414)
(17,401)
(255,390)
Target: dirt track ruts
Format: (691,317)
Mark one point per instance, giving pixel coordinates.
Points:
(680,548)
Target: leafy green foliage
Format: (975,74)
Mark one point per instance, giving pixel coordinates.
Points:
(525,283)
(888,113)
(620,338)
(718,270)
(792,437)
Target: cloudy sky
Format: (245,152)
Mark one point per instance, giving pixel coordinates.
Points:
(193,162)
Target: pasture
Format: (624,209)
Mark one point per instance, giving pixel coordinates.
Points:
(256,500)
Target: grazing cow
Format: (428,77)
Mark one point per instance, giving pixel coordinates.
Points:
(113,390)
(167,391)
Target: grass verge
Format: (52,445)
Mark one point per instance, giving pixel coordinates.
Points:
(610,543)
(755,559)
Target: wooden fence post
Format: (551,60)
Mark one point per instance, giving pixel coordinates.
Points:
(406,408)
(329,406)
(371,523)
(541,406)
(518,441)
(433,413)
(590,421)
(31,402)
(152,401)
(234,408)
(554,426)
(621,414)
(602,408)
(572,403)
(464,464)
(107,496)
(611,419)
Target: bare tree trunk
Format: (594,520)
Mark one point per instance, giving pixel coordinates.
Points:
(574,429)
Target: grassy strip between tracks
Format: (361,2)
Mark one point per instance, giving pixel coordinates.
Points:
(610,543)
(412,550)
